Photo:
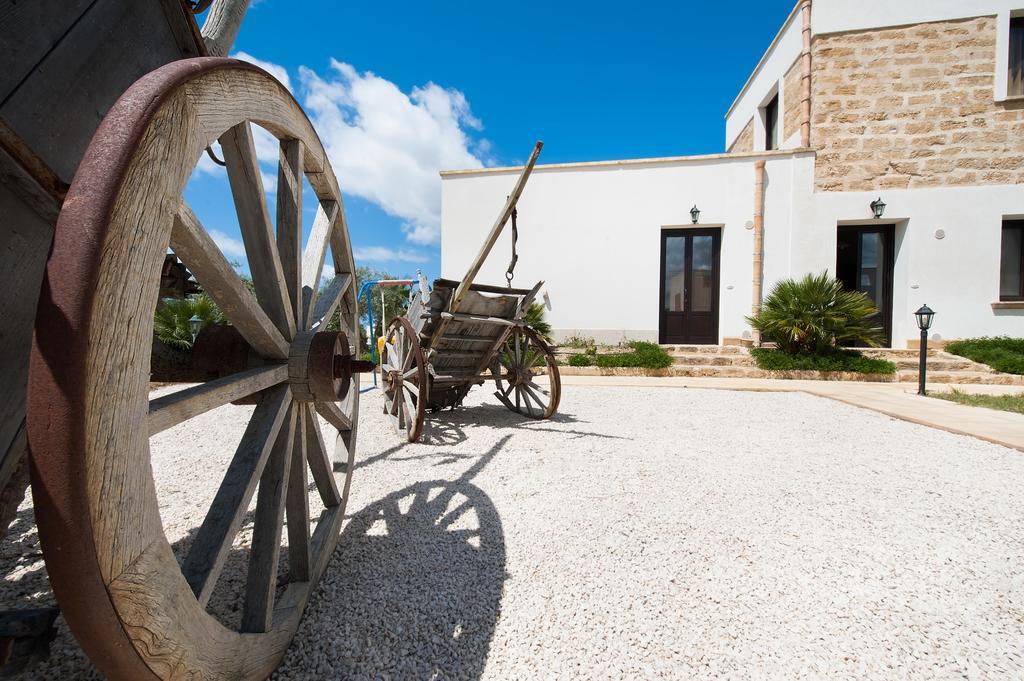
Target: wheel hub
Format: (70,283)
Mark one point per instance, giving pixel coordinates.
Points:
(320,366)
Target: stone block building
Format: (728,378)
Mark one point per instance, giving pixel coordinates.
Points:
(917,106)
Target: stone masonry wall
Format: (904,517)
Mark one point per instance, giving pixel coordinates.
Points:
(745,140)
(912,107)
(791,102)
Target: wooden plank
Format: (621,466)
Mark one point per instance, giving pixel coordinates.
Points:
(289,222)
(524,305)
(329,301)
(170,410)
(450,316)
(313,257)
(222,24)
(254,222)
(298,507)
(467,338)
(319,461)
(200,254)
(261,579)
(483,288)
(491,239)
(213,540)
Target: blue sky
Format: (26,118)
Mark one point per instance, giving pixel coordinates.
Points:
(400,90)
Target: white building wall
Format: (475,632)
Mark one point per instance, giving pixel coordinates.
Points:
(593,234)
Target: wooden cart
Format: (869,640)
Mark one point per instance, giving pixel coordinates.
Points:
(101,124)
(460,334)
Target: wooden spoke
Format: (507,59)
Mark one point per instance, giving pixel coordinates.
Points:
(298,506)
(170,410)
(331,298)
(289,223)
(319,463)
(254,222)
(258,607)
(333,414)
(313,257)
(213,540)
(203,258)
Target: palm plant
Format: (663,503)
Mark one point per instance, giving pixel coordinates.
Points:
(534,319)
(815,315)
(171,320)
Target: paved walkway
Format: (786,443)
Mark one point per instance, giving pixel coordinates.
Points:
(899,400)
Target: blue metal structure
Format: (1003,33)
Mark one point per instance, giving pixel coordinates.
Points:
(365,290)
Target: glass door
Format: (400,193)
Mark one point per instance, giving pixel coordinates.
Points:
(689,286)
(864,262)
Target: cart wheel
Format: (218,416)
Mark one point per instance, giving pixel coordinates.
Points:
(523,358)
(404,378)
(136,612)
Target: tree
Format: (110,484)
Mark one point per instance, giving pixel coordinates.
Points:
(815,315)
(396,300)
(535,320)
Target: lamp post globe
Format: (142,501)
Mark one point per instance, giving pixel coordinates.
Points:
(195,325)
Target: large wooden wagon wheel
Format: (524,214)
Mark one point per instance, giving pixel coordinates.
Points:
(136,611)
(518,363)
(404,378)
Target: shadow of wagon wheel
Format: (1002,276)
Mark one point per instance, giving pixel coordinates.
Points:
(413,590)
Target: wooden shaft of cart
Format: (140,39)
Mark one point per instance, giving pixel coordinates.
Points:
(492,238)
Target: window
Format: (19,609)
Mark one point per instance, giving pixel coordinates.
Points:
(1011,264)
(1015,86)
(771,124)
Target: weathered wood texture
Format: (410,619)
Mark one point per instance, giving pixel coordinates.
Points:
(114,573)
(222,24)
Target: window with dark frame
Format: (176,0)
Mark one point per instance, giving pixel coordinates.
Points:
(1015,83)
(1011,262)
(771,124)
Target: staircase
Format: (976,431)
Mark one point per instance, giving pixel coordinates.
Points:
(730,361)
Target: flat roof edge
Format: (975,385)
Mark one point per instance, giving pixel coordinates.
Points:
(631,162)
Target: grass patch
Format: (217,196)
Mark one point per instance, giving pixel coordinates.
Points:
(1014,403)
(575,341)
(840,360)
(1002,353)
(641,354)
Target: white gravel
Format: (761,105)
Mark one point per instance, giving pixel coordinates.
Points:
(643,533)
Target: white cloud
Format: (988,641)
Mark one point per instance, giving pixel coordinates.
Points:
(387,146)
(327,273)
(229,245)
(276,70)
(385,254)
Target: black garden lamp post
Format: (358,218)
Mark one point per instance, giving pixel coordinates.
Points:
(195,324)
(924,322)
(695,213)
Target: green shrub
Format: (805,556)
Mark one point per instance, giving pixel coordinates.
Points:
(1002,353)
(815,315)
(641,354)
(838,360)
(581,360)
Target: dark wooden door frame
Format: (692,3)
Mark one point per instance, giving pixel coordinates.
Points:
(888,232)
(716,252)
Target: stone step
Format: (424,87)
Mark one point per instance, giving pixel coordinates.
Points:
(975,377)
(709,359)
(941,364)
(705,349)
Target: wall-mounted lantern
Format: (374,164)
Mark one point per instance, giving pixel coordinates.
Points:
(924,322)
(878,207)
(695,213)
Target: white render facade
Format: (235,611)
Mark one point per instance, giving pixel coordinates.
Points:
(919,104)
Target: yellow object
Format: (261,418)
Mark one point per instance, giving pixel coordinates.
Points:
(380,347)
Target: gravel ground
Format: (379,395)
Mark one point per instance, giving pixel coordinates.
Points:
(641,533)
